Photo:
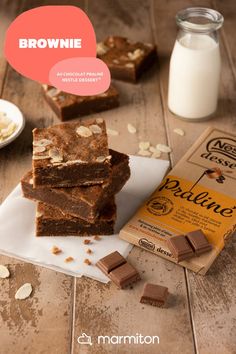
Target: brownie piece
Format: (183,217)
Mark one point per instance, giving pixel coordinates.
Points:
(52,222)
(115,266)
(180,248)
(125,59)
(68,106)
(84,202)
(154,295)
(71,154)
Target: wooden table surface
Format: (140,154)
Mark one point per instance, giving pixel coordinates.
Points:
(202,315)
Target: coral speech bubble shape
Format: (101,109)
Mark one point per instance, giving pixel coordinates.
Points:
(48,22)
(80,79)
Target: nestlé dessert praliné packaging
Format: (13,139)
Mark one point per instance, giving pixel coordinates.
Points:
(198,193)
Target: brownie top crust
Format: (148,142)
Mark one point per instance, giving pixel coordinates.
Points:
(71,143)
(121,51)
(65,99)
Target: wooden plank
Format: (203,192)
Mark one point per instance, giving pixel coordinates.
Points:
(102,309)
(212,298)
(42,323)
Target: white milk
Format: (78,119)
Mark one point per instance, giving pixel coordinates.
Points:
(194,76)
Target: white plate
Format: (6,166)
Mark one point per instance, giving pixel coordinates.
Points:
(16,116)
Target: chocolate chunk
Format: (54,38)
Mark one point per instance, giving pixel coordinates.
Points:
(110,262)
(180,248)
(118,270)
(124,275)
(68,106)
(154,295)
(199,242)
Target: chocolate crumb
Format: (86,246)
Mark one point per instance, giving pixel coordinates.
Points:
(69,259)
(87,242)
(87,261)
(56,250)
(97,238)
(89,251)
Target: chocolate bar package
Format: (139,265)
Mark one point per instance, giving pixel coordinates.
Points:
(198,193)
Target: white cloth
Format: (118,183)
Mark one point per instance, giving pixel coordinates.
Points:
(17,225)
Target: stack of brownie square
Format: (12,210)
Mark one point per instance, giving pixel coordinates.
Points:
(74,179)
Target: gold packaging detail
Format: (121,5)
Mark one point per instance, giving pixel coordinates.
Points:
(198,193)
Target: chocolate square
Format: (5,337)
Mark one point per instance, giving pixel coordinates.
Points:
(180,248)
(154,294)
(199,242)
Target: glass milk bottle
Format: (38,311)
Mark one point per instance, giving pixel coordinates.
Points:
(195,64)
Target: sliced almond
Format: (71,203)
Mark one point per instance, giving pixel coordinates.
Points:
(4,272)
(131,129)
(31,181)
(38,214)
(69,259)
(40,157)
(83,131)
(45,87)
(55,155)
(101,48)
(99,120)
(163,148)
(95,129)
(53,92)
(112,132)
(23,292)
(144,145)
(137,53)
(156,154)
(101,159)
(38,149)
(129,65)
(144,153)
(42,142)
(179,131)
(115,61)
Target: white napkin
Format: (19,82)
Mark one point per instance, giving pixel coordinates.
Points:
(17,224)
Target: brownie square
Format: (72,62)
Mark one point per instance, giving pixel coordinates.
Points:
(84,202)
(52,222)
(71,154)
(68,106)
(154,295)
(126,60)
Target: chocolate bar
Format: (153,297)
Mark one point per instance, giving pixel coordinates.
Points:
(84,202)
(180,248)
(118,270)
(52,222)
(199,242)
(71,154)
(126,60)
(155,295)
(68,106)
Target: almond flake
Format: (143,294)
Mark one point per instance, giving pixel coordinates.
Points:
(42,142)
(179,131)
(55,155)
(83,131)
(23,292)
(144,145)
(40,157)
(101,48)
(53,92)
(95,129)
(101,159)
(163,148)
(38,214)
(45,87)
(87,242)
(156,154)
(144,153)
(69,259)
(129,65)
(38,149)
(4,272)
(112,132)
(31,181)
(115,61)
(87,261)
(56,250)
(131,129)
(99,120)
(136,54)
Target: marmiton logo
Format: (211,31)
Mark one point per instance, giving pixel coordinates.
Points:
(224,146)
